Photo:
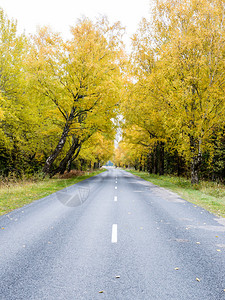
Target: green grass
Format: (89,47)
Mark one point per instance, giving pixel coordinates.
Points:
(17,194)
(209,195)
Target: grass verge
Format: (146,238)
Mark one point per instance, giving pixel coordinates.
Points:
(209,195)
(17,194)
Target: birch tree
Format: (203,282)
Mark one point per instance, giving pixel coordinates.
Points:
(192,77)
(180,63)
(80,78)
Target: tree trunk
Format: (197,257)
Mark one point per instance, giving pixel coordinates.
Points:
(178,166)
(69,165)
(82,164)
(50,160)
(150,162)
(161,158)
(155,159)
(63,164)
(140,164)
(194,170)
(195,160)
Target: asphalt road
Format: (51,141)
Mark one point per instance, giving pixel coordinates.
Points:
(113,236)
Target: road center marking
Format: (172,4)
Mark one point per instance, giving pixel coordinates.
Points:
(115,198)
(114,233)
(115,187)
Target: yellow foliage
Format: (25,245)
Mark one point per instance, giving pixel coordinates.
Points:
(177,94)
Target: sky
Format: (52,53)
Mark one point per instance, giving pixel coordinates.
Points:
(61,14)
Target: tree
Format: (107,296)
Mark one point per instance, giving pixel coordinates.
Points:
(179,73)
(15,109)
(98,150)
(142,113)
(191,83)
(80,78)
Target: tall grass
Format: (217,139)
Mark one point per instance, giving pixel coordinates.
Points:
(15,193)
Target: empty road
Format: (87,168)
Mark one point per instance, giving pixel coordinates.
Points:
(113,236)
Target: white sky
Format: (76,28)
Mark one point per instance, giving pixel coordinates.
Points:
(60,15)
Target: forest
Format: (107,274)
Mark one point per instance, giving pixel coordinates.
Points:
(63,101)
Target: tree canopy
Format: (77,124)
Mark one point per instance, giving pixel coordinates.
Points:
(178,98)
(58,94)
(60,99)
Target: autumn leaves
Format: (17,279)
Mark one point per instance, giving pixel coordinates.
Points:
(177,103)
(59,99)
(69,90)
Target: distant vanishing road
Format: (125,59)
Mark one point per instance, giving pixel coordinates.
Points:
(115,237)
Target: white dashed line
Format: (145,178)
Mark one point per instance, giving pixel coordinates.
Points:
(115,187)
(114,233)
(115,198)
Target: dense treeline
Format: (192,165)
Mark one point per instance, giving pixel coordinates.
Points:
(174,112)
(58,98)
